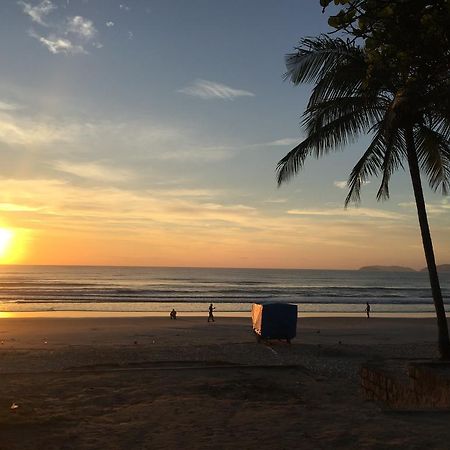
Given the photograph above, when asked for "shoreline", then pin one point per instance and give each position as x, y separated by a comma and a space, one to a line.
77, 314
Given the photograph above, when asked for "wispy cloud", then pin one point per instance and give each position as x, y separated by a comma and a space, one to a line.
193, 193
209, 90
14, 207
8, 106
28, 132
284, 141
66, 35
340, 184
124, 7
344, 184
217, 153
276, 200
432, 208
55, 44
147, 140
38, 12
351, 212
159, 219
64, 201
93, 171
81, 27
110, 24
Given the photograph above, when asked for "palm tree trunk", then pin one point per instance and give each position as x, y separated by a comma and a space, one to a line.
444, 342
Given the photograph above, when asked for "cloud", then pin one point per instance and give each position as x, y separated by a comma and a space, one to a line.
93, 171
432, 208
340, 184
81, 27
276, 200
284, 141
157, 223
130, 35
106, 207
7, 106
193, 193
39, 12
145, 140
124, 7
55, 45
109, 24
351, 212
14, 207
195, 153
66, 35
24, 131
209, 90
344, 185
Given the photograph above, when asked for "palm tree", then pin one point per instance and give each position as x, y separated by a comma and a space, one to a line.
408, 121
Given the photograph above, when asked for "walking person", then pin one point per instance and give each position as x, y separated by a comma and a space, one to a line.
368, 310
211, 315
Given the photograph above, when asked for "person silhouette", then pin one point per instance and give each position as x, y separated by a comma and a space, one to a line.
211, 315
173, 315
368, 310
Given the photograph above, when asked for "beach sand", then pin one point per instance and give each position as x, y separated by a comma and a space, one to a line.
151, 383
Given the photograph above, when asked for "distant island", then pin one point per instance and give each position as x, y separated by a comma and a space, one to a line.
443, 268
386, 269
440, 268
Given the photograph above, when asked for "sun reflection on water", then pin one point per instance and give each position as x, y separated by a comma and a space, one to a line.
6, 315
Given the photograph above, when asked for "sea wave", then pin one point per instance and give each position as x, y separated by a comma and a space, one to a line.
112, 286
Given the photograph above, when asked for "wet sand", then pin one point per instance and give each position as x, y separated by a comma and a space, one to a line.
138, 383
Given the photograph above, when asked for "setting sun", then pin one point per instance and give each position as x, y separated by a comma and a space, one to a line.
6, 240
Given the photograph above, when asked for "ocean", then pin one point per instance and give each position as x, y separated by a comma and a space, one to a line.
158, 289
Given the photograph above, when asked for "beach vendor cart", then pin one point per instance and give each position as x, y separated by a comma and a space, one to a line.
273, 320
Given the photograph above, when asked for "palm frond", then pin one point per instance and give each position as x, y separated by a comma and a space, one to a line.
383, 155
293, 161
433, 152
394, 153
438, 122
324, 137
342, 106
317, 56
344, 81
369, 165
370, 112
330, 138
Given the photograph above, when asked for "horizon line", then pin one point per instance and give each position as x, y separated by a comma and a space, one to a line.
221, 267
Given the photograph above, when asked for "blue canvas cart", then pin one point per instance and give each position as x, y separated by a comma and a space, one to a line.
274, 320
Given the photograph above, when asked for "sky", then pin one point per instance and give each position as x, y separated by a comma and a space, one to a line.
147, 133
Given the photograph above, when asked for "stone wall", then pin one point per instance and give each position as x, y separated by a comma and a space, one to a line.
431, 381
407, 385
